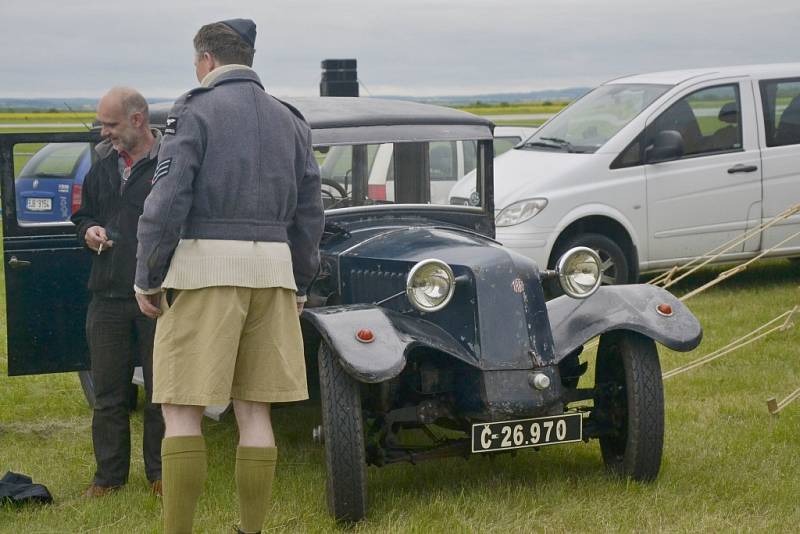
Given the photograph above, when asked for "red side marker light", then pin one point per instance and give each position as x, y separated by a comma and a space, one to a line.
664, 309
365, 335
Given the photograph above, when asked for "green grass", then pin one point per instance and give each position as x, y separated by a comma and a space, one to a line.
523, 122
728, 465
515, 109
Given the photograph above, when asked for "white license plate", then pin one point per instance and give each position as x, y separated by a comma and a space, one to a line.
536, 432
39, 204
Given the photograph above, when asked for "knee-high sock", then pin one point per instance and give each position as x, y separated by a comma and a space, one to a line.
183, 465
255, 469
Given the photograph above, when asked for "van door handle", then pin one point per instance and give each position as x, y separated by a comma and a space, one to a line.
742, 168
18, 264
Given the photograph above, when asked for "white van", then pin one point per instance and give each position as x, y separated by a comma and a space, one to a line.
655, 169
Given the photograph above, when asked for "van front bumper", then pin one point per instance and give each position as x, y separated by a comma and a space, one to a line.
530, 244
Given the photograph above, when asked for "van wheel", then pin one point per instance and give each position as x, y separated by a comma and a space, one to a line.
613, 261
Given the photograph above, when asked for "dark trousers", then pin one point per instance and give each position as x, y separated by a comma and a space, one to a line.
118, 335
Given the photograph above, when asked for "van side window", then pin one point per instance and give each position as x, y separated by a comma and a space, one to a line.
708, 121
781, 102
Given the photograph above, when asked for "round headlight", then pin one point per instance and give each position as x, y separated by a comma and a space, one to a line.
430, 285
579, 272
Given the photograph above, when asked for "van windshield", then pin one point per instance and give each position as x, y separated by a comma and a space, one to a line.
587, 124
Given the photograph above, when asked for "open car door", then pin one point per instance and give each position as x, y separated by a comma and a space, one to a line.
46, 269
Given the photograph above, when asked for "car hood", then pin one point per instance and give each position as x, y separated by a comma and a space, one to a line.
413, 244
521, 174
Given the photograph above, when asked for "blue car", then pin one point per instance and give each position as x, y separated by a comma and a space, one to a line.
49, 186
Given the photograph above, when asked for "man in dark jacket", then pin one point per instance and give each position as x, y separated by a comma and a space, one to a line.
231, 233
118, 333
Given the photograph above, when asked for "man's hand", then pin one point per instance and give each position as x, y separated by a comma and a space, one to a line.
300, 307
97, 239
149, 304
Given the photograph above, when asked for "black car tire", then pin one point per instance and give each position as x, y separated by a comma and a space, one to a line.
343, 434
630, 398
616, 270
87, 384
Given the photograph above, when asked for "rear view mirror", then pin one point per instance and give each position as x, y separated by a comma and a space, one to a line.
667, 146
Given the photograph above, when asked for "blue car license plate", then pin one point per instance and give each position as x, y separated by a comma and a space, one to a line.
522, 433
39, 204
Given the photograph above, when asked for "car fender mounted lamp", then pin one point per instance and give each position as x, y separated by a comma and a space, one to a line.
664, 309
365, 335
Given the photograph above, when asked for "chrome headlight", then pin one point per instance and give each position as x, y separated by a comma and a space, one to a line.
519, 212
430, 285
579, 272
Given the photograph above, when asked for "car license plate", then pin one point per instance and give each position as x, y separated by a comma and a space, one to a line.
39, 204
523, 433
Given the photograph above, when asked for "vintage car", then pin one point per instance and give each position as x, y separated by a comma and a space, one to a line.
430, 338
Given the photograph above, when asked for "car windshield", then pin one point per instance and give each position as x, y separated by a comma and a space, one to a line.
396, 173
55, 160
590, 122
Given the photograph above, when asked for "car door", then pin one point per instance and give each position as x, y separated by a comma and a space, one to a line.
45, 269
780, 155
712, 193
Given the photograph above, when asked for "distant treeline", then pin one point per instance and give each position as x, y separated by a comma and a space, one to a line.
546, 97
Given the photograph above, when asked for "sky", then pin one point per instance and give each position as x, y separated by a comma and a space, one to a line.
81, 48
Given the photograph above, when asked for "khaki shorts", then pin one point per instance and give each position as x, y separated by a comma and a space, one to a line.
220, 343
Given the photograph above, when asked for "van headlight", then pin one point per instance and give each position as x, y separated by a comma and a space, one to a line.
519, 212
430, 285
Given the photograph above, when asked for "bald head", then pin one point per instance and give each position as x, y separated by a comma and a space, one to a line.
124, 118
129, 100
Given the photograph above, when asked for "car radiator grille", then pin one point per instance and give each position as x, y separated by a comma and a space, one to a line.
370, 285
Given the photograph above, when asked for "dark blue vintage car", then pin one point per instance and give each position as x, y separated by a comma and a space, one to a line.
419, 323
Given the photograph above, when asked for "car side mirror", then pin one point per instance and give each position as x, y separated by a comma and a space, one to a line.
667, 146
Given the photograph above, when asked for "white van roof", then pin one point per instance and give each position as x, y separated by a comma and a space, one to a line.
675, 77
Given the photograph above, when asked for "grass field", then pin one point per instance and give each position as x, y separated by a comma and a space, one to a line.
728, 465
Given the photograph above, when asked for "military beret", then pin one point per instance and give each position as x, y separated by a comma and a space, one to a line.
246, 29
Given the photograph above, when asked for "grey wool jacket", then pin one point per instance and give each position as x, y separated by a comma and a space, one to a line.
235, 164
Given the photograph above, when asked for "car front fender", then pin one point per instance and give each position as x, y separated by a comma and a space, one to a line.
394, 335
623, 307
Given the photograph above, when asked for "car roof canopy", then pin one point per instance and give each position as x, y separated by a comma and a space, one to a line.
345, 120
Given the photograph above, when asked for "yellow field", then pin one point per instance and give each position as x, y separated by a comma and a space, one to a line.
61, 116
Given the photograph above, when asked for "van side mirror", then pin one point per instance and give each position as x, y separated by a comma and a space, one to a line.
667, 146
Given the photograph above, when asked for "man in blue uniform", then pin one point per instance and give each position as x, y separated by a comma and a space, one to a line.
228, 243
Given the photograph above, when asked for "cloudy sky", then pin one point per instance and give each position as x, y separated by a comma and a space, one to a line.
404, 47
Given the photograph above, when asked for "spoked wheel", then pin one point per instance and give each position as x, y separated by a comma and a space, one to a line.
343, 433
630, 400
